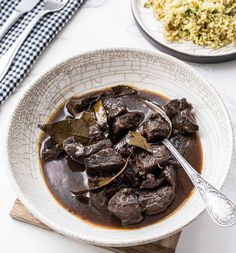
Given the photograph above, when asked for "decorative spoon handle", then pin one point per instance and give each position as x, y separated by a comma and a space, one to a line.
221, 209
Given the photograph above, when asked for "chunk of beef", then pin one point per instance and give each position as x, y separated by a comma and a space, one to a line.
123, 123
124, 205
78, 152
161, 154
129, 178
105, 161
184, 122
99, 198
155, 128
123, 90
80, 104
151, 182
156, 201
144, 163
51, 150
180, 112
177, 105
124, 148
114, 107
169, 175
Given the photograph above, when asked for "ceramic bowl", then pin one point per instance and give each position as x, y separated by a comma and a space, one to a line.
95, 70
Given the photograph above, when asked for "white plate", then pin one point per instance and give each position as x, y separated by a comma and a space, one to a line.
184, 50
95, 70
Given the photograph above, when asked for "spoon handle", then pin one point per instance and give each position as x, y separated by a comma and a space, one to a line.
221, 209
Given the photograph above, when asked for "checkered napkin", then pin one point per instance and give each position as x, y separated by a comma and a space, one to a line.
42, 34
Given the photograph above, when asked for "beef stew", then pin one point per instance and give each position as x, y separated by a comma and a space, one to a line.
89, 141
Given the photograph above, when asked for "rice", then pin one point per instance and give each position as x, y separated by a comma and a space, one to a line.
206, 23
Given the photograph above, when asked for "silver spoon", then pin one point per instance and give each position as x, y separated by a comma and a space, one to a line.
7, 59
221, 209
23, 7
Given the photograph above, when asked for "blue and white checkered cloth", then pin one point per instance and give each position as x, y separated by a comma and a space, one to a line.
39, 38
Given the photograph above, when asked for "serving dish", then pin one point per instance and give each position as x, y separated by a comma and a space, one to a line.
152, 30
148, 70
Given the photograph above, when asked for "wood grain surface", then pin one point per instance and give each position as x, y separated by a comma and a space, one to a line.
167, 245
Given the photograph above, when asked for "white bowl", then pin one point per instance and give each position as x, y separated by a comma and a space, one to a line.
150, 70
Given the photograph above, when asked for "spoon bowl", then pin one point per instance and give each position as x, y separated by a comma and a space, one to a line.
54, 5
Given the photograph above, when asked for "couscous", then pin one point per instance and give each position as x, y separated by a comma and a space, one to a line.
204, 22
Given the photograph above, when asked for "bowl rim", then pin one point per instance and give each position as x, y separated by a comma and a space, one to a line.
109, 243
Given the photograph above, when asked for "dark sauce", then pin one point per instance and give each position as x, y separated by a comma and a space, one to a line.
64, 175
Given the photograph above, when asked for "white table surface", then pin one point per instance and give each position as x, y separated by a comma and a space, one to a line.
99, 24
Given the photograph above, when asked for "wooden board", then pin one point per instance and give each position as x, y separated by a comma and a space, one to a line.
167, 245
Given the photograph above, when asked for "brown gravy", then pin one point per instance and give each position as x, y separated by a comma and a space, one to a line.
64, 175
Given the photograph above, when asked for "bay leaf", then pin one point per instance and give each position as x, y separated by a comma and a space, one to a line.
100, 113
136, 139
88, 117
101, 116
100, 183
78, 127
